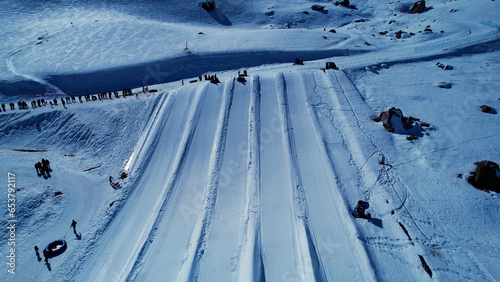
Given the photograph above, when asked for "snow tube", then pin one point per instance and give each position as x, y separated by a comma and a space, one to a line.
55, 248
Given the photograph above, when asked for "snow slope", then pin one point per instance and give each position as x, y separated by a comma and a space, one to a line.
250, 181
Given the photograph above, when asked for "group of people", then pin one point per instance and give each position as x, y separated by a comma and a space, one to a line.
212, 78
45, 253
67, 100
43, 167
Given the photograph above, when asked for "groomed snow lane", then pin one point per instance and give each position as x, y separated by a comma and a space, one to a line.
163, 260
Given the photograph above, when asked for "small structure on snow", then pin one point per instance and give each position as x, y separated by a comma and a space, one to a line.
241, 78
298, 62
486, 176
331, 66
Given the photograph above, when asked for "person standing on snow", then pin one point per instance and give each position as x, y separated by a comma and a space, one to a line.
73, 224
47, 164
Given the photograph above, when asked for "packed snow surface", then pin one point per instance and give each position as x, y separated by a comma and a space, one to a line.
249, 179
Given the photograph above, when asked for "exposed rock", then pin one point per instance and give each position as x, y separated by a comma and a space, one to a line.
486, 176
208, 5
344, 3
393, 120
316, 7
486, 109
418, 7
445, 85
411, 138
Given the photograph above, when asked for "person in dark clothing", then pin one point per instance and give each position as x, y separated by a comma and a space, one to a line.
111, 180
3, 107
45, 166
37, 167
63, 103
46, 256
37, 254
73, 224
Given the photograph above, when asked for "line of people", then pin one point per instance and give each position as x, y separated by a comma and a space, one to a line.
212, 78
43, 167
22, 105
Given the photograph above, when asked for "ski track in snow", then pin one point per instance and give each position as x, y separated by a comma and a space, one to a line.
255, 181
271, 156
186, 196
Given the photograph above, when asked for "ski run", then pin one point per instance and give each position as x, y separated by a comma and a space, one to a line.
227, 161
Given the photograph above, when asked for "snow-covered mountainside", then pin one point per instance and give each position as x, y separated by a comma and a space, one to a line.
255, 177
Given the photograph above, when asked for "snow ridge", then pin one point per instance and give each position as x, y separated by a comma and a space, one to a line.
194, 114
195, 251
309, 261
250, 265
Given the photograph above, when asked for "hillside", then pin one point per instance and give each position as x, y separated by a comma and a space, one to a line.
250, 180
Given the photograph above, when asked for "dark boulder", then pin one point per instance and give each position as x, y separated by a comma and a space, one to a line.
344, 3
316, 7
418, 7
208, 5
394, 121
486, 109
486, 176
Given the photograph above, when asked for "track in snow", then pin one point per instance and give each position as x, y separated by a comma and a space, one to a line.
240, 186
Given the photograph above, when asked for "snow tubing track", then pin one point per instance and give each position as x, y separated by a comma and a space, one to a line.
248, 190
